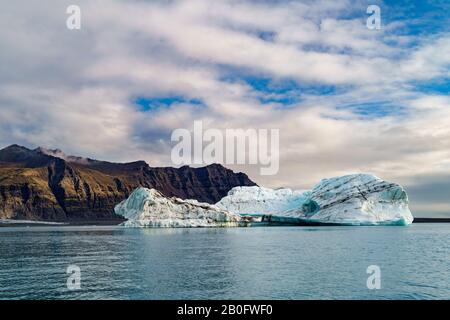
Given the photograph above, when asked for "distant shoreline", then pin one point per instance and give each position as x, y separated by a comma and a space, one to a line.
431, 220
33, 223
30, 223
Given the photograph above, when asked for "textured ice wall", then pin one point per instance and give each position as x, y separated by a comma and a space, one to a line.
360, 199
260, 200
149, 208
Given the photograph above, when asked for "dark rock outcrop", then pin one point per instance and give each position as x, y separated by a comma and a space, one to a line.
37, 185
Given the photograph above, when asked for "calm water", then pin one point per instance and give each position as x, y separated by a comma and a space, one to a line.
246, 263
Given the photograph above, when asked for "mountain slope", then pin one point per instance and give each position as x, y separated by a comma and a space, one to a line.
37, 185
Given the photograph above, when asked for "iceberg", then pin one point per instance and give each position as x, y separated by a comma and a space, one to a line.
359, 199
150, 208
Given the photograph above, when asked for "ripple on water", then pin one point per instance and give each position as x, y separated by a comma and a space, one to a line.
244, 263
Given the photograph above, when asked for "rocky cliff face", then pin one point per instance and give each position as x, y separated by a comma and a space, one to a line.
38, 185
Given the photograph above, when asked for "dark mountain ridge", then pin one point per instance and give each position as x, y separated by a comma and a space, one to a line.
47, 185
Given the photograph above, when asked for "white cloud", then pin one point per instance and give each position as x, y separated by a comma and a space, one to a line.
75, 89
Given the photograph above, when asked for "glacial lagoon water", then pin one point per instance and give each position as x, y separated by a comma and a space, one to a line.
235, 263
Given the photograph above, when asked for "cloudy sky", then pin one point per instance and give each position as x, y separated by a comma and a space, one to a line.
345, 98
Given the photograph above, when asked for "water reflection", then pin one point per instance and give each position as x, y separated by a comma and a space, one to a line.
235, 263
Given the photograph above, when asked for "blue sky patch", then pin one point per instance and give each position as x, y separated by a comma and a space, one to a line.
439, 86
376, 109
283, 91
423, 17
156, 103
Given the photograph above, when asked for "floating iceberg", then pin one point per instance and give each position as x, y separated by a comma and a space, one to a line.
149, 208
360, 199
